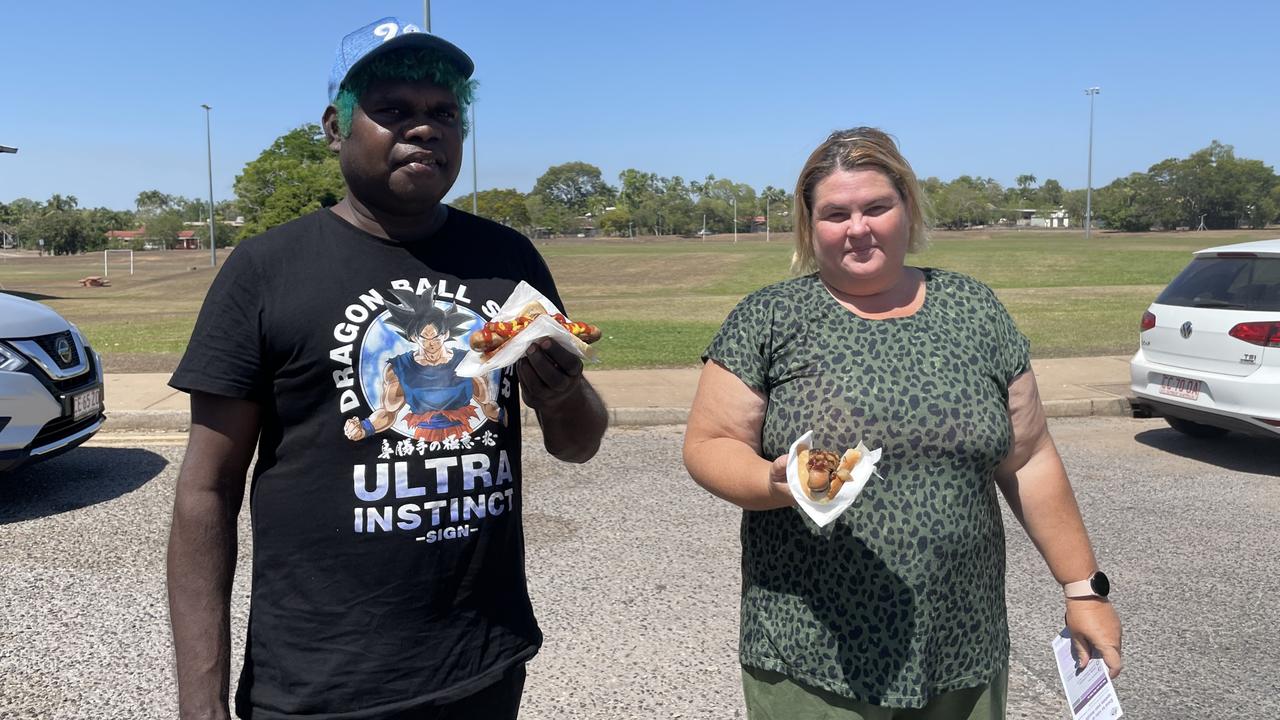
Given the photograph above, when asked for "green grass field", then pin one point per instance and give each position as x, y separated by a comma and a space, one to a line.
659, 301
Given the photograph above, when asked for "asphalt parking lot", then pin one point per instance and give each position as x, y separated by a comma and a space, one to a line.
634, 574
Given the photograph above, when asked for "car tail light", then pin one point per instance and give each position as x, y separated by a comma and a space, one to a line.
1148, 321
1272, 423
1266, 334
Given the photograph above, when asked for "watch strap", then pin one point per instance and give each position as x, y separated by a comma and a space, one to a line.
1079, 588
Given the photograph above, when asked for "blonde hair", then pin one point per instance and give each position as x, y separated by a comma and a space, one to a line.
860, 148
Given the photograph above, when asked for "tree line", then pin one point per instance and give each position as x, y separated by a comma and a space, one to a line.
66, 228
1212, 188
1212, 185
574, 198
298, 174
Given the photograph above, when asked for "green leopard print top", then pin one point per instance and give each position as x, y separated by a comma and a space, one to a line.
902, 597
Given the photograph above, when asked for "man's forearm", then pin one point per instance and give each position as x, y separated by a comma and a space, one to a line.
572, 428
201, 564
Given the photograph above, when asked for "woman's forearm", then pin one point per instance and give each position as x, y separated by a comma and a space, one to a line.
1040, 496
731, 470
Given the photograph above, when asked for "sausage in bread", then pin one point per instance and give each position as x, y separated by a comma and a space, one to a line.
824, 473
493, 335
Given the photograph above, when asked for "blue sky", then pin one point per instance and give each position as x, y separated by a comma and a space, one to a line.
103, 99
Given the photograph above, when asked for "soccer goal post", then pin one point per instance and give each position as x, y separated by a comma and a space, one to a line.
107, 253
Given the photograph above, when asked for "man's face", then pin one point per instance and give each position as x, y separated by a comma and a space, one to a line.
431, 340
405, 146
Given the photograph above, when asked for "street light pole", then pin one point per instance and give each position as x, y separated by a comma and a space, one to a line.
766, 218
208, 139
1088, 193
735, 219
475, 167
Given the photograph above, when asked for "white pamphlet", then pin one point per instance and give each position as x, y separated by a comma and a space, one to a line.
1090, 694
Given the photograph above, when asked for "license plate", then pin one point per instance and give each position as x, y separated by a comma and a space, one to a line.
1180, 387
86, 404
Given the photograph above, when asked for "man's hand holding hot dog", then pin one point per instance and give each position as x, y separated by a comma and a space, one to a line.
572, 416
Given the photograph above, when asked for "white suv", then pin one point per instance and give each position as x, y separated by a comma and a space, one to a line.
1209, 359
50, 384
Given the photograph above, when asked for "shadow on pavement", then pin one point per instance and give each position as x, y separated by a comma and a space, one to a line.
83, 477
1233, 451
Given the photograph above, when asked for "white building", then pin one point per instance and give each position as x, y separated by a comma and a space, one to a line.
1030, 217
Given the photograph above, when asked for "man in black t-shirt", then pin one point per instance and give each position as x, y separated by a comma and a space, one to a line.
388, 550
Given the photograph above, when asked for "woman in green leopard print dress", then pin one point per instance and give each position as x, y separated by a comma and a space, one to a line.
897, 608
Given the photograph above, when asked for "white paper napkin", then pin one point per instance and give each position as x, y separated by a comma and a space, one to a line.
474, 364
823, 513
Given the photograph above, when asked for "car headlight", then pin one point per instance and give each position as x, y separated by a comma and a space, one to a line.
10, 359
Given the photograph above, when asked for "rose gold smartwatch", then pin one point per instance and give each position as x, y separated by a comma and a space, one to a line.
1096, 585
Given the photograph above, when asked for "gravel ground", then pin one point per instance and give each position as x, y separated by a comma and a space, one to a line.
634, 574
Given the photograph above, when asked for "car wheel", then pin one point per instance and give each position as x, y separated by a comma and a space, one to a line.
1195, 429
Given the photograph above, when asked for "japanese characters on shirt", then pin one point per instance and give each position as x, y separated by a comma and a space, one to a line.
437, 467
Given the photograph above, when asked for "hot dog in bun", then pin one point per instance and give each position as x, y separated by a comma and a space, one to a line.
493, 335
823, 473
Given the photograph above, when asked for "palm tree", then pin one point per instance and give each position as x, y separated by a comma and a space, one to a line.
61, 203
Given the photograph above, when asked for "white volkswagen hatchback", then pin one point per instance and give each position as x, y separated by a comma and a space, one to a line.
50, 384
1209, 359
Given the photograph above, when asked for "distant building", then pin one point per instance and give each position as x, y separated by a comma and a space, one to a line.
1030, 217
238, 222
185, 239
124, 237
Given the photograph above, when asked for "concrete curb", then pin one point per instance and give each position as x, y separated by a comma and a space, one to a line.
1088, 407
147, 421
127, 421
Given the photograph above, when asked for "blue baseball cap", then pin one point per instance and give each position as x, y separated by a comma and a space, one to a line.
383, 36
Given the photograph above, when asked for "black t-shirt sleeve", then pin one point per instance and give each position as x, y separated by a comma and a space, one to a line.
539, 276
225, 355
508, 252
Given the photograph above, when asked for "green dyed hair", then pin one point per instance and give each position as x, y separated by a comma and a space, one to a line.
404, 65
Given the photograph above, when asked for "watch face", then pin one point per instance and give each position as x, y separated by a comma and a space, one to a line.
1100, 584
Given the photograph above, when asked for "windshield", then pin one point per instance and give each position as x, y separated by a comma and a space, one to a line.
1232, 283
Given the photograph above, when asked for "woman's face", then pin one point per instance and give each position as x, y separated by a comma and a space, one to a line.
861, 229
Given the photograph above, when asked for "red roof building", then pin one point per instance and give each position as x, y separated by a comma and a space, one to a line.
186, 239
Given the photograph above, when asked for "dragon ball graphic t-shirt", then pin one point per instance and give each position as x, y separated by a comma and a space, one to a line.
388, 551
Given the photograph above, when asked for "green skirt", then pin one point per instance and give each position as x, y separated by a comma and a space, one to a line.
774, 696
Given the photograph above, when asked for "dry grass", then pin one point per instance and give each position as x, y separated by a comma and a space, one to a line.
141, 322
